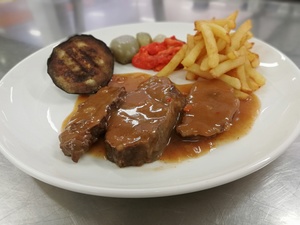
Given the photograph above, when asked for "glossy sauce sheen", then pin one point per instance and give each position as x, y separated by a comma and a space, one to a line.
179, 149
138, 132
211, 105
89, 121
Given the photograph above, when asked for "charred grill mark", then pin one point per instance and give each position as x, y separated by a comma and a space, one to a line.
89, 58
66, 61
82, 60
78, 63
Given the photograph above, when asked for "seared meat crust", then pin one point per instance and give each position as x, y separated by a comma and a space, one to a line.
90, 121
211, 106
81, 65
138, 132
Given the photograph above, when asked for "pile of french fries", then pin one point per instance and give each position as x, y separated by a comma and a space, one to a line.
217, 51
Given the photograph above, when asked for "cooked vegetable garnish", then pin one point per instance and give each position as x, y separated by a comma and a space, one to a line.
156, 55
124, 48
143, 38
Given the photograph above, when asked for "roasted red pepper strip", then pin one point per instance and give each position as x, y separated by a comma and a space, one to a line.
156, 55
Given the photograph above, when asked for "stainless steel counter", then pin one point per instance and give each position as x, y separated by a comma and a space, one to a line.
268, 196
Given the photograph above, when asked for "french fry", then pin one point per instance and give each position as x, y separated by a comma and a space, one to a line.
204, 63
196, 70
221, 44
174, 62
220, 32
256, 76
198, 37
210, 44
253, 58
241, 75
226, 66
190, 76
215, 51
255, 62
240, 94
246, 37
232, 17
232, 81
239, 34
193, 54
228, 22
248, 44
253, 85
190, 41
233, 55
223, 58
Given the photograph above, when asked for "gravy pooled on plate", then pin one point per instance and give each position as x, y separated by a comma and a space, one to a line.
179, 149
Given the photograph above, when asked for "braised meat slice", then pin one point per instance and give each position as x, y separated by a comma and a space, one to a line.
140, 129
211, 105
90, 121
81, 65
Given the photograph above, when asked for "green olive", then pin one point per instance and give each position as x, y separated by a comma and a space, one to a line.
143, 38
159, 38
124, 48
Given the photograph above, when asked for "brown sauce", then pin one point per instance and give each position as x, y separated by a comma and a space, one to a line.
179, 149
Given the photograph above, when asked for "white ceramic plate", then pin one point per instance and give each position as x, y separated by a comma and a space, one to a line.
32, 110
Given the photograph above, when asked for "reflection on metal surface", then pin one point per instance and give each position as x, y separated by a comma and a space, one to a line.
35, 32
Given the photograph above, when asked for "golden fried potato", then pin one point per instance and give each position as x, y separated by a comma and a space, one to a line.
216, 51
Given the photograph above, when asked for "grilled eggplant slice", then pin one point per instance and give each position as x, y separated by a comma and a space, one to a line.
81, 65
